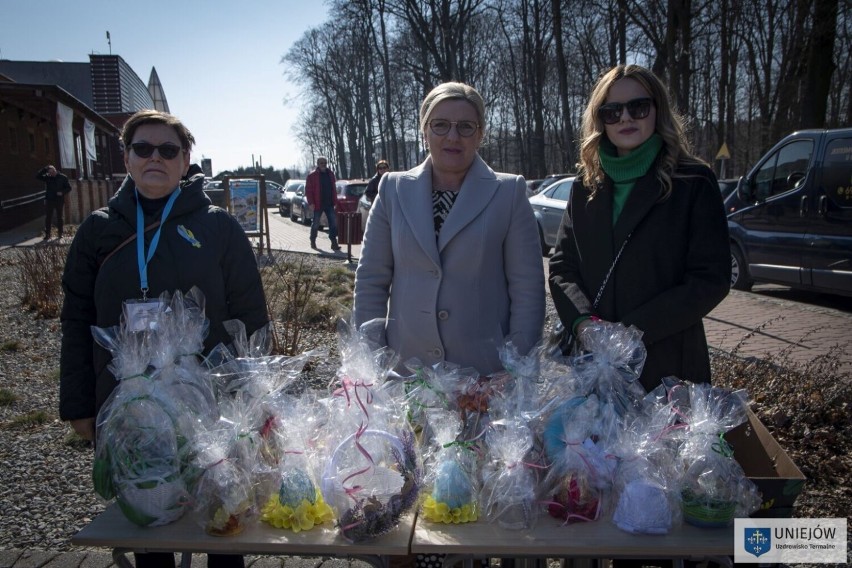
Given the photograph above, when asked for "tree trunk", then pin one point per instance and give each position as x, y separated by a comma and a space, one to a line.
820, 64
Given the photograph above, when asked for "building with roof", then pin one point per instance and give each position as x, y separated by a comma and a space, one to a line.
69, 115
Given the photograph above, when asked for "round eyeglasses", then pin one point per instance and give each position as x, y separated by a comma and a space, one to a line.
442, 126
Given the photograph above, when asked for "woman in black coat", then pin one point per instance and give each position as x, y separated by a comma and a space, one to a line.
646, 208
119, 256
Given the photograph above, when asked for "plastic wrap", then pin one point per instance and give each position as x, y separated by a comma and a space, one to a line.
440, 387
371, 479
611, 366
714, 488
510, 474
138, 459
143, 457
578, 438
223, 497
646, 483
452, 483
297, 503
372, 473
508, 487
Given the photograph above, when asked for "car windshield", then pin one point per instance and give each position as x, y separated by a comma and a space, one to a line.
356, 189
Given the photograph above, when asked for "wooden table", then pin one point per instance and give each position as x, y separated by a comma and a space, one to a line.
551, 539
548, 539
112, 530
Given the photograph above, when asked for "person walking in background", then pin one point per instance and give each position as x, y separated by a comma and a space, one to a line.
382, 168
195, 244
56, 187
451, 254
321, 193
644, 240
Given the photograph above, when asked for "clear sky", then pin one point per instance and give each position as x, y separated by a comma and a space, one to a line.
219, 62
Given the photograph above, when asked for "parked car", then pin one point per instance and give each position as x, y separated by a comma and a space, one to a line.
796, 226
273, 192
728, 188
533, 186
549, 207
300, 211
364, 205
551, 179
216, 192
349, 192
286, 195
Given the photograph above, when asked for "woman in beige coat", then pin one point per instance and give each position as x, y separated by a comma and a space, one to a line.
451, 253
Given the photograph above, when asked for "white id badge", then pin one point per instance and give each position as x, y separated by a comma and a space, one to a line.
143, 315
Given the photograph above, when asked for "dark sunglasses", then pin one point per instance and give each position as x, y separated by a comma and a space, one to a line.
465, 128
610, 113
167, 151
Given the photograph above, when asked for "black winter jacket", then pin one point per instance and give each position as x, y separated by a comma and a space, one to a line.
217, 258
674, 270
54, 185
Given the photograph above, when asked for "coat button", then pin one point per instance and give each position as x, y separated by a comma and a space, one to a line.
437, 353
436, 273
443, 314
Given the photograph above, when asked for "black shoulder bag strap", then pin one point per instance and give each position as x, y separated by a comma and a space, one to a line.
567, 339
129, 240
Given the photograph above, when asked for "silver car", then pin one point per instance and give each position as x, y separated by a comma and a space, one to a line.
549, 207
291, 186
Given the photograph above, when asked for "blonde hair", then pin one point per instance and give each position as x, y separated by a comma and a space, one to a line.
446, 91
669, 125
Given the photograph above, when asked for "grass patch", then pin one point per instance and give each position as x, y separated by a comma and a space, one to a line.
34, 418
7, 397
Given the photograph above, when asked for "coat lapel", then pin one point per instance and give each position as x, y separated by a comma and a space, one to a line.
479, 186
415, 201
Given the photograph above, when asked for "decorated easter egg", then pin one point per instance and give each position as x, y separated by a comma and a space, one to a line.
295, 486
452, 485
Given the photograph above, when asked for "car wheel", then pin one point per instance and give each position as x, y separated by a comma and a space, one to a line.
545, 248
305, 220
281, 210
293, 214
739, 272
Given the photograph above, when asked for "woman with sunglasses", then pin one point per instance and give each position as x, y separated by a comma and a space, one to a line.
644, 240
451, 255
159, 233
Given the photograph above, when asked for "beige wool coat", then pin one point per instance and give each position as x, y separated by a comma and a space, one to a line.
456, 297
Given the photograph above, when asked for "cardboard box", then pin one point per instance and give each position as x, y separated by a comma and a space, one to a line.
768, 466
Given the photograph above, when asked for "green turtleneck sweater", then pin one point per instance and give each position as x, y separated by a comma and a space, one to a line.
626, 170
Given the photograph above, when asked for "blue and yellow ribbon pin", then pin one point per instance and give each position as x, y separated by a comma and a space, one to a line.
187, 234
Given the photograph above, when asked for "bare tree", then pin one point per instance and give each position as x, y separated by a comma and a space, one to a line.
820, 64
744, 72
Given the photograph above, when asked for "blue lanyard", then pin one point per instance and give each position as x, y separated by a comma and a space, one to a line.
141, 258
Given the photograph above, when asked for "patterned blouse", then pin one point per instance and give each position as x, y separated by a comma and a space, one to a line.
442, 202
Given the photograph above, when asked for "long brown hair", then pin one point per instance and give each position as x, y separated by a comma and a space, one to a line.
669, 125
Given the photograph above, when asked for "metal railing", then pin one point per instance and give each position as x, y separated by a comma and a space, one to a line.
22, 200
